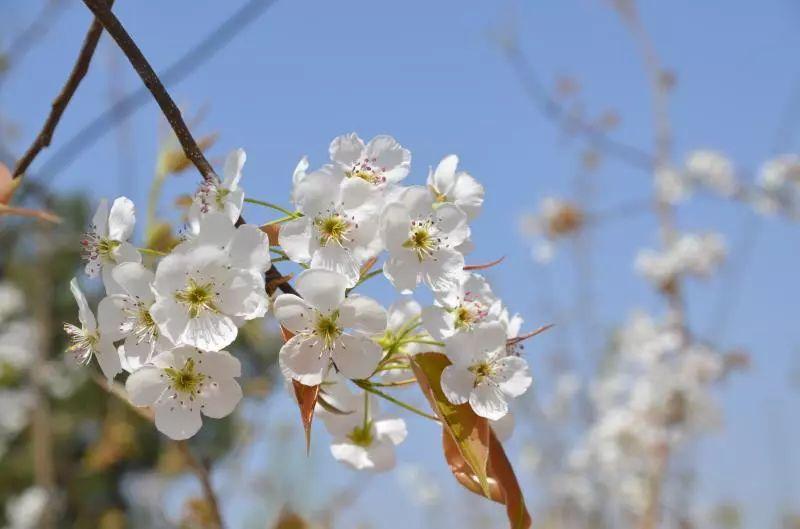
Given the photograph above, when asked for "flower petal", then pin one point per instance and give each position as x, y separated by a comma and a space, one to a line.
121, 219
356, 356
362, 314
488, 401
108, 358
337, 259
402, 271
232, 171
249, 248
210, 331
171, 318
220, 398
323, 289
512, 375
444, 177
351, 454
303, 359
386, 153
346, 149
392, 429
85, 314
146, 385
178, 421
220, 364
457, 383
295, 239
293, 313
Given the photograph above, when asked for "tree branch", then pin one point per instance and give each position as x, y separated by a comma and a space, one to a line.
64, 97
150, 79
114, 27
203, 475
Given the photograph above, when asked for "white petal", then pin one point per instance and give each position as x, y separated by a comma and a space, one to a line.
403, 310
233, 168
317, 192
85, 314
293, 313
457, 382
346, 149
392, 429
111, 316
453, 223
135, 280
136, 353
337, 259
512, 375
146, 385
243, 295
178, 421
220, 398
402, 271
170, 316
395, 226
382, 456
444, 177
503, 427
468, 195
295, 239
322, 289
215, 229
358, 193
300, 171
362, 314
303, 360
100, 219
441, 272
121, 219
385, 153
108, 358
209, 331
488, 401
351, 454
417, 200
356, 356
249, 249
220, 364
438, 322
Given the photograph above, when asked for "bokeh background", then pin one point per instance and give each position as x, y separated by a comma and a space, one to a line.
479, 79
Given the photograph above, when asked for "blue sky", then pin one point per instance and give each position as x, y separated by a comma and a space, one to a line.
429, 74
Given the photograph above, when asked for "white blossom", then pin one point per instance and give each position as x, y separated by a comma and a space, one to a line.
362, 438
183, 383
202, 297
712, 170
224, 195
481, 373
697, 254
470, 303
87, 341
105, 244
328, 327
126, 316
422, 241
25, 510
455, 187
339, 227
381, 162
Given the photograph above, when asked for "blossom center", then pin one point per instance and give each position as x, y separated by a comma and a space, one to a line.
96, 247
366, 170
332, 228
422, 240
83, 343
186, 379
438, 196
482, 371
328, 329
362, 435
197, 297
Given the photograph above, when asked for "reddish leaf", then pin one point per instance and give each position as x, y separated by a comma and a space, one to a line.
306, 398
7, 185
478, 451
272, 231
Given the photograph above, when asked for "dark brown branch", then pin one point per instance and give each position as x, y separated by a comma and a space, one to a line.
149, 77
111, 117
114, 28
64, 97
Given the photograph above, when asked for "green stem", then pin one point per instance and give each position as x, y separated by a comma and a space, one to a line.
280, 220
150, 251
367, 276
273, 206
367, 386
424, 342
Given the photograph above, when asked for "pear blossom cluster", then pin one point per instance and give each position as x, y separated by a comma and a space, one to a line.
698, 254
167, 325
165, 321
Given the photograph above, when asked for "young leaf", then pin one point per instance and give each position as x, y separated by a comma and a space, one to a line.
470, 433
306, 398
464, 454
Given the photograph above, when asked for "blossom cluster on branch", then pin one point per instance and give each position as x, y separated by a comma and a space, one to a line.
168, 325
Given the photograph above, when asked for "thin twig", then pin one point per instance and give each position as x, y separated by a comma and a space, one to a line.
174, 73
62, 100
170, 110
